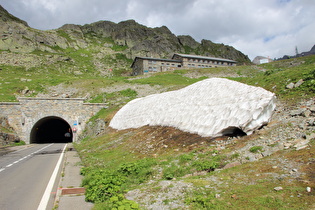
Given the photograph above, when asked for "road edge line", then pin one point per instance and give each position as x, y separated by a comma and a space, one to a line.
44, 201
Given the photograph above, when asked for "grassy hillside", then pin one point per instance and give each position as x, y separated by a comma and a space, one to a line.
178, 169
166, 167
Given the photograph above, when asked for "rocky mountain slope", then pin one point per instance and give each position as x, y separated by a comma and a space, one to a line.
170, 169
104, 44
310, 52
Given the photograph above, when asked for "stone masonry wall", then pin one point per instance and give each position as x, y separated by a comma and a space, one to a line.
23, 116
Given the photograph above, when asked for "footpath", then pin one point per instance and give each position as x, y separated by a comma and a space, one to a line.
70, 195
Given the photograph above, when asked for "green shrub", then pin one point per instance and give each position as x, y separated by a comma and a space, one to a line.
172, 171
118, 202
186, 157
256, 149
205, 165
311, 85
108, 185
235, 155
201, 202
137, 172
129, 93
102, 184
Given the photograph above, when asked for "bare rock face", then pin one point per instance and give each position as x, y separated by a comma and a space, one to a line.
133, 38
188, 41
5, 137
212, 107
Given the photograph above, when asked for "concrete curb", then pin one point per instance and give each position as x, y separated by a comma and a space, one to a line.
70, 194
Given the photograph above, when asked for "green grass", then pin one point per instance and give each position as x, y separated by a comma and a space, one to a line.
62, 33
110, 156
256, 149
167, 79
16, 79
20, 143
280, 73
111, 151
241, 188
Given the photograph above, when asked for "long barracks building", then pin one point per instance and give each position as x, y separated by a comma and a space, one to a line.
143, 65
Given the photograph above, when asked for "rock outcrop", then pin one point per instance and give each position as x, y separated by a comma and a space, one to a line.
7, 134
212, 107
311, 52
128, 37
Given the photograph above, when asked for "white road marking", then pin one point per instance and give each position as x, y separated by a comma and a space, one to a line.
44, 201
15, 162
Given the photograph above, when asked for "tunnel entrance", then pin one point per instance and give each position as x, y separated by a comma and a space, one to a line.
233, 132
51, 130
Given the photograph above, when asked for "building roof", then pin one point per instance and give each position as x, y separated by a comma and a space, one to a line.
155, 59
204, 57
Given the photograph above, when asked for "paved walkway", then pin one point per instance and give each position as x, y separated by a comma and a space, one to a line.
70, 194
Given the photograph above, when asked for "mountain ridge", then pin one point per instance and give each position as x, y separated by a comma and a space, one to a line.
128, 37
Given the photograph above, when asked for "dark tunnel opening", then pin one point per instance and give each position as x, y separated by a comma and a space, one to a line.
233, 132
51, 130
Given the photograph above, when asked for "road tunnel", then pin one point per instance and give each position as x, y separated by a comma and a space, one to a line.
51, 130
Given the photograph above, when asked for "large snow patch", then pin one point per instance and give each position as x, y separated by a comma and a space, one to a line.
210, 108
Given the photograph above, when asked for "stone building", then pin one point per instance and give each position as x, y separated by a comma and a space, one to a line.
261, 59
144, 65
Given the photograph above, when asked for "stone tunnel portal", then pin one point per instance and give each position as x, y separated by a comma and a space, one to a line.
51, 130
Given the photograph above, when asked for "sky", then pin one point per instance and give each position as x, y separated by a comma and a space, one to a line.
270, 28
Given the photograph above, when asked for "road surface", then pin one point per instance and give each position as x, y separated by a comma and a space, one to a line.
25, 174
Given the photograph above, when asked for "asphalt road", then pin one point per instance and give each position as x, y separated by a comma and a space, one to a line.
25, 174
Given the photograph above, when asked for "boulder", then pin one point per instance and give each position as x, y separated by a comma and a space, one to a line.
290, 86
299, 83
212, 107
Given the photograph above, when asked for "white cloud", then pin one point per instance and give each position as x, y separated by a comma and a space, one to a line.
269, 28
